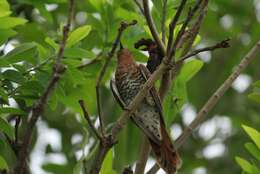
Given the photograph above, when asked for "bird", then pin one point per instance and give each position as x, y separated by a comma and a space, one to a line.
155, 53
129, 79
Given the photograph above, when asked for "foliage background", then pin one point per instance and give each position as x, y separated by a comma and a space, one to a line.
29, 33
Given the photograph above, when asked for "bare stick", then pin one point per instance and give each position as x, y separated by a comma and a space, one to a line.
173, 25
93, 61
139, 6
86, 116
152, 27
164, 14
222, 44
144, 153
122, 27
213, 100
218, 94
38, 108
191, 13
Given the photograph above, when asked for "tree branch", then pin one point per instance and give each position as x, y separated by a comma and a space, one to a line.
191, 13
122, 27
152, 26
144, 153
173, 24
38, 108
164, 14
86, 116
222, 44
139, 6
213, 100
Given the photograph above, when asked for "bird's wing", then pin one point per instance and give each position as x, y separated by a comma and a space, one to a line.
146, 73
116, 93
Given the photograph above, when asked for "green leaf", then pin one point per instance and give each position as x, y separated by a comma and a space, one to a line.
77, 169
254, 151
253, 134
189, 69
244, 164
4, 8
3, 164
107, 164
52, 43
6, 128
23, 52
257, 84
78, 53
14, 76
78, 34
5, 34
10, 110
255, 96
10, 22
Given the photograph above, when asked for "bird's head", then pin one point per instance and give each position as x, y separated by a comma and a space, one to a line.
124, 56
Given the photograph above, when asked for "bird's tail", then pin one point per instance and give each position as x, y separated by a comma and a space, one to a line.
167, 156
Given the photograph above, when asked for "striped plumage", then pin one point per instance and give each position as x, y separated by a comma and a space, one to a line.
129, 79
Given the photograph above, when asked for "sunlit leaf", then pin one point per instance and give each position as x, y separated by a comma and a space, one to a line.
107, 164
3, 164
78, 53
78, 34
9, 22
6, 128
10, 110
244, 164
189, 69
253, 150
253, 134
255, 96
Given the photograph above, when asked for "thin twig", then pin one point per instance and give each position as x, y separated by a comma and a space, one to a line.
93, 61
139, 6
152, 27
143, 157
122, 27
39, 65
38, 108
208, 106
172, 25
16, 128
191, 13
164, 14
86, 116
222, 44
218, 94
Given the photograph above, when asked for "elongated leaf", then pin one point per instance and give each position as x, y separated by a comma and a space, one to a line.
107, 164
6, 128
244, 164
3, 164
78, 34
253, 134
253, 150
10, 110
78, 53
23, 52
255, 96
189, 69
14, 76
9, 22
257, 84
5, 34
52, 43
4, 8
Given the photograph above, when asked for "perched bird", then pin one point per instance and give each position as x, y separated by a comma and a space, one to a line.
129, 78
155, 54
